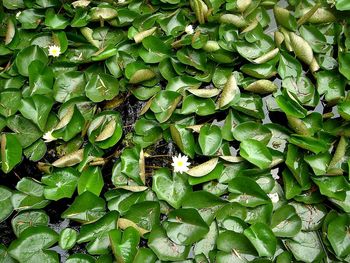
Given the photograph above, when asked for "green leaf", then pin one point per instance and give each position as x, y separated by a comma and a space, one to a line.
26, 56
183, 138
247, 192
338, 235
26, 132
285, 222
97, 233
229, 241
262, 238
60, 184
311, 215
67, 238
172, 189
164, 248
185, 226
11, 152
69, 85
306, 246
27, 219
86, 208
210, 139
6, 207
33, 244
55, 21
289, 66
124, 245
144, 214
36, 108
91, 180
145, 255
342, 5
256, 153
10, 102
333, 186
36, 151
131, 166
102, 87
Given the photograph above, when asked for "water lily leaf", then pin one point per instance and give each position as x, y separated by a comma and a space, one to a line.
332, 84
145, 255
252, 130
6, 207
172, 189
334, 187
91, 180
185, 226
306, 246
262, 86
80, 258
208, 243
198, 105
86, 208
21, 201
102, 87
164, 248
55, 21
69, 85
70, 159
260, 71
10, 102
309, 143
285, 18
97, 233
230, 92
125, 223
183, 138
210, 139
164, 104
205, 203
28, 219
342, 5
290, 106
105, 129
33, 245
247, 192
285, 222
131, 165
194, 58
262, 238
124, 245
30, 187
144, 214
337, 235
67, 238
36, 151
204, 93
138, 72
60, 184
36, 109
5, 257
288, 66
104, 12
26, 56
11, 152
204, 168
311, 215
301, 48
256, 152
229, 241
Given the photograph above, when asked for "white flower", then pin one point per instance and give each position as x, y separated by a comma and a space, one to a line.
48, 137
189, 29
274, 197
54, 51
18, 14
180, 163
121, 1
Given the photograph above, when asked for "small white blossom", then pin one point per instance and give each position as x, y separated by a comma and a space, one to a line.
48, 137
59, 184
121, 1
54, 51
274, 197
189, 29
18, 14
180, 163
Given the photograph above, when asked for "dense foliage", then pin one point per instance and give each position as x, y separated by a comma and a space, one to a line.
96, 97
